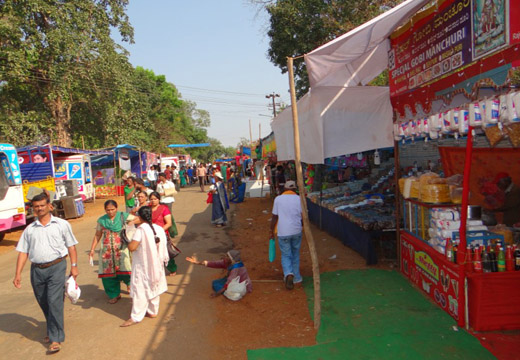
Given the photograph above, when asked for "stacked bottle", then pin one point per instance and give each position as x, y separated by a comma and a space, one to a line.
490, 259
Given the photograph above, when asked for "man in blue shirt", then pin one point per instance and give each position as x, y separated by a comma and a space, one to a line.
46, 243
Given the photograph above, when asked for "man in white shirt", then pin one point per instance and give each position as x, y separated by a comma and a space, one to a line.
46, 243
152, 177
287, 214
166, 188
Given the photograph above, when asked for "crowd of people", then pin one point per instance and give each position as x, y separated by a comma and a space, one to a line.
133, 245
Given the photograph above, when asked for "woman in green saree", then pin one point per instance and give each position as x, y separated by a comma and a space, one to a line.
114, 257
182, 176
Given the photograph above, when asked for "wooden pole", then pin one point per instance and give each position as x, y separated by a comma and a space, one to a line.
83, 142
305, 215
397, 175
250, 135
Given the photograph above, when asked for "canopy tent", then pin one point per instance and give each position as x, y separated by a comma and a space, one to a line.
66, 150
336, 121
337, 116
189, 145
360, 55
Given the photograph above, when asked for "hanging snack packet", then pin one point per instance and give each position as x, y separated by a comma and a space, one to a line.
491, 127
463, 121
475, 117
445, 122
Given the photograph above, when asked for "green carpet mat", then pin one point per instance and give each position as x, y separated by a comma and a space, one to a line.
377, 314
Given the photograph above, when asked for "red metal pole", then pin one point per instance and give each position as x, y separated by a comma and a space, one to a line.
461, 256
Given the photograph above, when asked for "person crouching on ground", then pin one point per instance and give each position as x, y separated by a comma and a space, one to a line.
287, 214
235, 267
148, 280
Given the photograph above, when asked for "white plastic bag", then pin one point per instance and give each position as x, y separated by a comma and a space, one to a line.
72, 290
236, 289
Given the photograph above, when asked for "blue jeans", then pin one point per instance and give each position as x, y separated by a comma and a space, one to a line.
290, 249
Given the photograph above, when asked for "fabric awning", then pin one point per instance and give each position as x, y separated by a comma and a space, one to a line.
188, 145
360, 55
338, 116
336, 121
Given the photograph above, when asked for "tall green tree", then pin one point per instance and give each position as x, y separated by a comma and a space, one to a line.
54, 48
297, 27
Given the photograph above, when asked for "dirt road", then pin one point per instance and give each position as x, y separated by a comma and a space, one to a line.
187, 314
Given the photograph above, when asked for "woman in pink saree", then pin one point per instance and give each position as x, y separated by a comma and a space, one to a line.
149, 255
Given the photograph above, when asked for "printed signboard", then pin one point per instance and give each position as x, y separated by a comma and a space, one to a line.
427, 269
452, 46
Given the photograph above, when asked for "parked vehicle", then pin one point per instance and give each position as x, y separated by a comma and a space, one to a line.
12, 209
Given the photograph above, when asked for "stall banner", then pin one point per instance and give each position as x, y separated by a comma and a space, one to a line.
104, 176
60, 171
74, 171
87, 173
124, 159
429, 271
450, 47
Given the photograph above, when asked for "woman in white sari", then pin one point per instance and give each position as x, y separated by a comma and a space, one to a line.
149, 256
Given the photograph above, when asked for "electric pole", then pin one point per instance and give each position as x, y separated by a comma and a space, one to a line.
273, 96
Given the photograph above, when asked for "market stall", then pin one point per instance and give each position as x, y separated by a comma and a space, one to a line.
356, 202
461, 91
69, 167
450, 73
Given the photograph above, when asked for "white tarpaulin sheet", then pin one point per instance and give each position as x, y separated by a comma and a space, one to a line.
336, 121
337, 116
360, 55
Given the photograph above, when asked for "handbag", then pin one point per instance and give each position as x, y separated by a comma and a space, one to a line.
209, 200
122, 233
170, 191
272, 250
172, 230
173, 250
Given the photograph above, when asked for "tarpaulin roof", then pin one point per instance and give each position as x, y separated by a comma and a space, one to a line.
67, 150
125, 146
337, 116
360, 55
246, 150
336, 121
189, 145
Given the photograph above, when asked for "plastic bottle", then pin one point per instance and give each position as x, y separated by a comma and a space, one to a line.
449, 250
468, 264
510, 263
455, 252
501, 260
517, 259
486, 262
477, 262
493, 259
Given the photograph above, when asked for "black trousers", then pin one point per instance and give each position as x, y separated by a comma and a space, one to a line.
49, 289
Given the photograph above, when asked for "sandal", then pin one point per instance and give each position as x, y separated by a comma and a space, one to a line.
114, 300
46, 340
150, 316
128, 323
54, 347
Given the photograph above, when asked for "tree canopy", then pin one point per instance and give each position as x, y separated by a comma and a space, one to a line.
299, 26
63, 79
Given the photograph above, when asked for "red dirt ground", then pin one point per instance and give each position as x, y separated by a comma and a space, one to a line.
272, 316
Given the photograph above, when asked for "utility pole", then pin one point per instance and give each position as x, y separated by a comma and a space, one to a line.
273, 96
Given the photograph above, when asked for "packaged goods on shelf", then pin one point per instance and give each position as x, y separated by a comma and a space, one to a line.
435, 193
